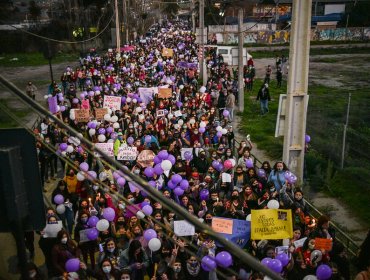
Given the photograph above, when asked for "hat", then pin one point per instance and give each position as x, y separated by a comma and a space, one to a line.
119, 134
195, 175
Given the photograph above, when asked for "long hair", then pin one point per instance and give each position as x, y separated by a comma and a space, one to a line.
134, 245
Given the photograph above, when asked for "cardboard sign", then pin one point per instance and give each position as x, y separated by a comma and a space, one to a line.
106, 148
222, 225
240, 230
83, 236
160, 113
85, 104
53, 104
323, 244
100, 112
127, 153
167, 52
300, 242
183, 228
164, 93
112, 102
82, 115
271, 224
146, 158
51, 230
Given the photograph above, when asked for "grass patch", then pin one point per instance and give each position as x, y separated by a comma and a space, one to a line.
33, 59
6, 121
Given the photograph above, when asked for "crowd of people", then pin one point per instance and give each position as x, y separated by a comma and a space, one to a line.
167, 116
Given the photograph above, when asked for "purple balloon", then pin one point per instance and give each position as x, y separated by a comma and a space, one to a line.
219, 134
188, 155
261, 173
287, 174
61, 98
109, 130
101, 130
171, 185
150, 234
109, 214
224, 259
63, 146
84, 166
292, 179
116, 175
92, 233
225, 113
148, 139
156, 160
121, 181
130, 140
307, 138
147, 210
172, 159
58, 199
178, 191
208, 263
266, 262
72, 265
149, 172
152, 184
179, 104
82, 95
184, 184
249, 163
323, 272
93, 125
158, 169
163, 155
215, 164
93, 220
62, 108
75, 101
204, 194
144, 203
123, 100
91, 93
202, 129
91, 175
176, 178
113, 135
219, 166
276, 265
284, 258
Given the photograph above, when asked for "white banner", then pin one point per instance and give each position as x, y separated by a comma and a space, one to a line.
183, 228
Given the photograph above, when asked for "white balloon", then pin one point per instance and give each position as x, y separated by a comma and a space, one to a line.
224, 131
170, 116
192, 121
266, 278
219, 128
273, 204
181, 86
116, 125
310, 277
139, 109
80, 176
102, 225
102, 176
58, 108
154, 244
61, 209
166, 165
202, 89
249, 217
128, 99
141, 117
69, 149
63, 154
176, 126
92, 131
72, 115
180, 122
134, 100
114, 119
202, 124
46, 96
140, 215
107, 117
109, 111
233, 162
101, 138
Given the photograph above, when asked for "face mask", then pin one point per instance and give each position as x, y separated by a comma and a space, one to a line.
131, 200
84, 220
107, 269
311, 246
32, 274
234, 197
229, 154
208, 221
64, 240
194, 264
137, 171
122, 206
272, 189
111, 250
177, 269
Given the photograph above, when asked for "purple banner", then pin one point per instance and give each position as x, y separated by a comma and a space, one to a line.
184, 64
53, 104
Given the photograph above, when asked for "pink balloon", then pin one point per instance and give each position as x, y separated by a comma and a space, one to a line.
228, 164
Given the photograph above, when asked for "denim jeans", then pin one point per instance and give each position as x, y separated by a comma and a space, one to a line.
264, 106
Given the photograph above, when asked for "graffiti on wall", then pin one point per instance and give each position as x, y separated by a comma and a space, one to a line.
283, 36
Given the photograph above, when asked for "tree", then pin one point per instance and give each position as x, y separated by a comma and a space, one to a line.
358, 15
171, 8
34, 10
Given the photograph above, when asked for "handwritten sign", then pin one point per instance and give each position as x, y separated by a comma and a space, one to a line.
51, 230
100, 112
164, 93
183, 228
240, 230
222, 225
167, 52
160, 113
85, 104
300, 242
127, 153
82, 115
323, 244
146, 158
112, 102
53, 104
106, 148
271, 224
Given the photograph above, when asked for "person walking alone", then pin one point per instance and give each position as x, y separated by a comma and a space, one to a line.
230, 105
264, 97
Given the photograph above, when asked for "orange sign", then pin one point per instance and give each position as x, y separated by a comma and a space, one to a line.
167, 52
100, 112
82, 115
222, 225
164, 93
146, 158
323, 244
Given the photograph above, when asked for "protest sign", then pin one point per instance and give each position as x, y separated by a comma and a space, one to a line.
146, 94
53, 104
183, 228
82, 115
100, 112
323, 244
85, 104
299, 243
177, 113
146, 158
167, 52
112, 102
83, 236
127, 153
226, 178
106, 148
184, 150
160, 113
271, 224
51, 230
164, 93
237, 231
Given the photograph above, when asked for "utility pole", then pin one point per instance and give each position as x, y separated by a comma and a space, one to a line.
297, 98
192, 7
201, 40
240, 60
345, 131
125, 23
118, 37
